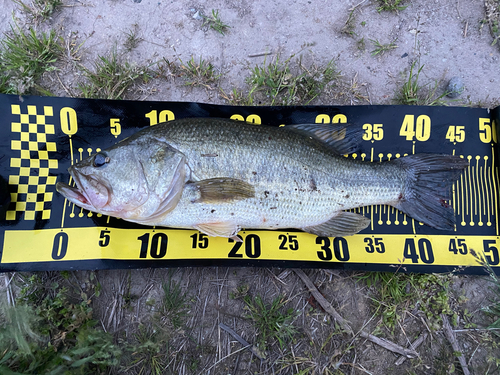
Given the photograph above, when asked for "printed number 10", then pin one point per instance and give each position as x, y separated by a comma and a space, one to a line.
164, 116
158, 247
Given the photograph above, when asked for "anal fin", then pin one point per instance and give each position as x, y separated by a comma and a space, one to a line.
342, 224
219, 229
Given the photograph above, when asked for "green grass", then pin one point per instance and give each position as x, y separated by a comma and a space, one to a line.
361, 44
350, 24
174, 306
24, 57
150, 350
493, 309
380, 48
492, 10
111, 78
215, 23
147, 352
282, 83
39, 10
132, 40
236, 97
391, 5
397, 293
273, 322
323, 357
413, 93
240, 292
49, 332
201, 73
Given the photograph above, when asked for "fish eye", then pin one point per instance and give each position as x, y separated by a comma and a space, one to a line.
100, 159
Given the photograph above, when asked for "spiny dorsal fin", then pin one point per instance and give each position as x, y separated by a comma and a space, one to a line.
223, 189
340, 138
342, 224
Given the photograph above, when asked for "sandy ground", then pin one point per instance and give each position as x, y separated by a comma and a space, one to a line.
445, 36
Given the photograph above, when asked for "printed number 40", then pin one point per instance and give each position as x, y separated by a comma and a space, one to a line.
419, 129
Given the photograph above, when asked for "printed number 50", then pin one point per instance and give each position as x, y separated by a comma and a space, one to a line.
487, 131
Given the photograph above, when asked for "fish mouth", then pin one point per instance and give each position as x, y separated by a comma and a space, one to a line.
89, 193
73, 194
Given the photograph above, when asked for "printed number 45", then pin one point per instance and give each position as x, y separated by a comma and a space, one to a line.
456, 133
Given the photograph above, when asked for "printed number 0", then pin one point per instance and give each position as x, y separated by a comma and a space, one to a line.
60, 245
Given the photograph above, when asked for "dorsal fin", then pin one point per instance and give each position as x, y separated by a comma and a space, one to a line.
340, 138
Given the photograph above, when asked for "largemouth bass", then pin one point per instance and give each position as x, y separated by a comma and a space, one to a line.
218, 176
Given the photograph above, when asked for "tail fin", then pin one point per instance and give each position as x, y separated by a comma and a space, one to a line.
428, 188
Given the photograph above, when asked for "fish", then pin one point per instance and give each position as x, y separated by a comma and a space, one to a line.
218, 176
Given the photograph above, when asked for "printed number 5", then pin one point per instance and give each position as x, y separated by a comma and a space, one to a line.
104, 241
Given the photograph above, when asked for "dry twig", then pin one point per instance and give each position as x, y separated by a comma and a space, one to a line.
323, 302
450, 335
389, 345
414, 345
243, 342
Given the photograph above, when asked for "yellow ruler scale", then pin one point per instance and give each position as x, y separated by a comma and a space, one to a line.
75, 244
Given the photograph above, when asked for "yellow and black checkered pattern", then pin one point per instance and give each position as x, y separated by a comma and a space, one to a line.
30, 141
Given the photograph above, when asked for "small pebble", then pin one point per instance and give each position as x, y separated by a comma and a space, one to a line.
197, 16
455, 87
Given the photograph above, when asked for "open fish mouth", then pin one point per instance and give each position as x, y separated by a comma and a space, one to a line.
73, 194
88, 193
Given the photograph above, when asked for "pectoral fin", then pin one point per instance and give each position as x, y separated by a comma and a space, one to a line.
342, 224
222, 189
219, 229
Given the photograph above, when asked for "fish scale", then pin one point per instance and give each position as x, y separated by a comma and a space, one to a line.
285, 163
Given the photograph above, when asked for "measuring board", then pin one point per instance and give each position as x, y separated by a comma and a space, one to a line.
42, 136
